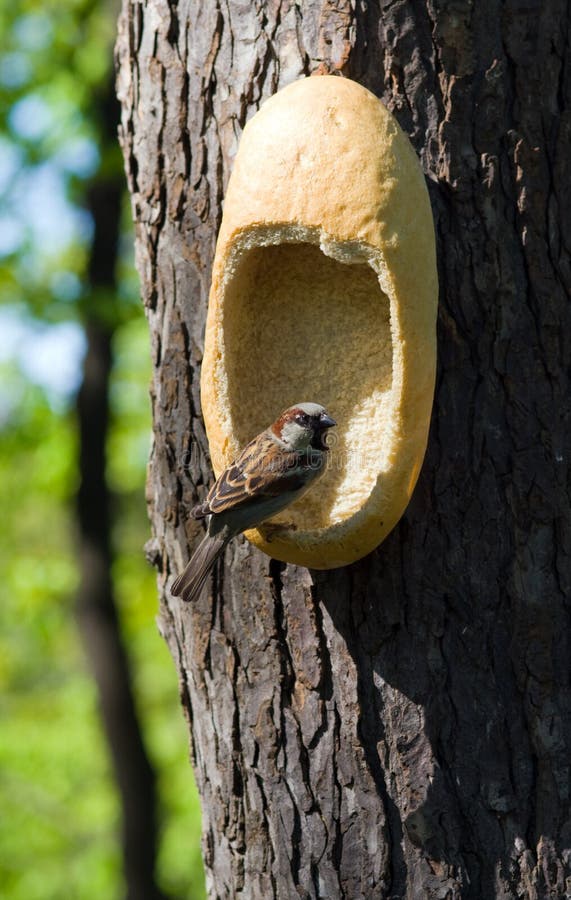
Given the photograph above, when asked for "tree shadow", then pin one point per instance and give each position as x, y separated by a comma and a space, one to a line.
447, 712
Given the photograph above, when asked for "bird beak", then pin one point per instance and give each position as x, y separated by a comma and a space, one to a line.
326, 421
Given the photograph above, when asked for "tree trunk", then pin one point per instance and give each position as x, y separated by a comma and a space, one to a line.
399, 728
95, 607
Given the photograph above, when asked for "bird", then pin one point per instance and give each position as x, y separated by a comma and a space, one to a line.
276, 468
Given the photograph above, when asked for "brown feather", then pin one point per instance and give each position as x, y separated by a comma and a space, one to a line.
287, 416
263, 469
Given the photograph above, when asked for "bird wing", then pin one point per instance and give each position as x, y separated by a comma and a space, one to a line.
263, 469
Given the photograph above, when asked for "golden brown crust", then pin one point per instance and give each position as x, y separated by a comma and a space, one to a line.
326, 193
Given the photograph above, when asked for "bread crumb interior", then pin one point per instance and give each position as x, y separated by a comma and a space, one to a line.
298, 325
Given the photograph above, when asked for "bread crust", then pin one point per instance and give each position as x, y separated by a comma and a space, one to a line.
323, 164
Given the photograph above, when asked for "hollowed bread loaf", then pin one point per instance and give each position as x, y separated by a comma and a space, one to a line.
324, 289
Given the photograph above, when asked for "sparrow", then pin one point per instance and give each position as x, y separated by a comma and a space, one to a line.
274, 469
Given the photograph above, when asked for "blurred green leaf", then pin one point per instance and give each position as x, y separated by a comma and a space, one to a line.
59, 828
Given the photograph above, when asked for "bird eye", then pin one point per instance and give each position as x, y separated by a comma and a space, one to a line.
302, 419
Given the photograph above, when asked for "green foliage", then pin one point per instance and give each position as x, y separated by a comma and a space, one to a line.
55, 78
58, 802
155, 678
59, 827
60, 810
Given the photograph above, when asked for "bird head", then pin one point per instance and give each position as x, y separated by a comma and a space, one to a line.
303, 427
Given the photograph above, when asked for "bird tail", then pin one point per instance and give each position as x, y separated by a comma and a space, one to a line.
190, 583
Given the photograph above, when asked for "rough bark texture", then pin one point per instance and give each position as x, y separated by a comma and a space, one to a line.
400, 728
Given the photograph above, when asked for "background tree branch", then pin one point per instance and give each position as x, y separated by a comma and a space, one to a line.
96, 607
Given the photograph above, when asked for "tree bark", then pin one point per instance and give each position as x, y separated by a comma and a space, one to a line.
399, 728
